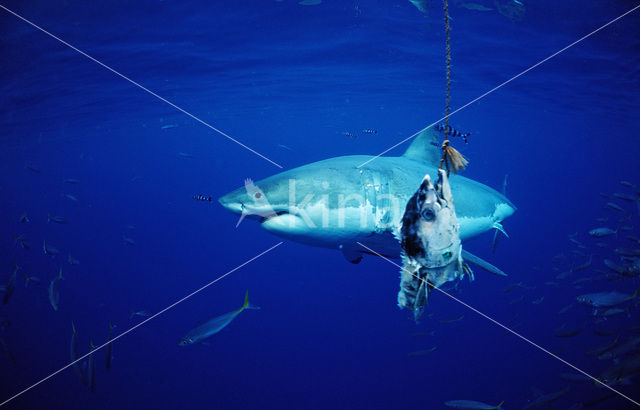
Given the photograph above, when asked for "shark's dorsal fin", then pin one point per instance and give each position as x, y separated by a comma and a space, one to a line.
425, 147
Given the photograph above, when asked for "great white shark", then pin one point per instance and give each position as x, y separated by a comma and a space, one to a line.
337, 202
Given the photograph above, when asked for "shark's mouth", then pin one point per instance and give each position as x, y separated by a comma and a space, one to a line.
274, 215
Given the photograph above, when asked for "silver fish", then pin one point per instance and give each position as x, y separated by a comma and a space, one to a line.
49, 250
109, 349
612, 311
563, 332
54, 293
627, 251
32, 168
430, 240
56, 219
141, 313
597, 351
72, 260
28, 279
614, 267
21, 242
284, 147
8, 351
625, 197
422, 352
606, 299
545, 399
617, 373
621, 350
538, 301
451, 320
214, 325
600, 232
583, 266
613, 206
73, 354
11, 285
565, 309
91, 371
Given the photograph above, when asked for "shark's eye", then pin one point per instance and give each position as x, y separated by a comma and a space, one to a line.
446, 255
428, 214
258, 195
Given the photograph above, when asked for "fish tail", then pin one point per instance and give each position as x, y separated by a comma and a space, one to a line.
248, 305
499, 405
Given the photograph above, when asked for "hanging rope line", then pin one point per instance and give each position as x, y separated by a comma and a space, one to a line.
452, 160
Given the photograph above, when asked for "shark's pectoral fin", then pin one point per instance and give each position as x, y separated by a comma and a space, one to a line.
496, 235
352, 255
469, 257
496, 239
498, 226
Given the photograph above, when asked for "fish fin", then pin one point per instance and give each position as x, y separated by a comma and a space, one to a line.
352, 256
469, 257
494, 243
635, 294
246, 300
241, 218
504, 192
425, 147
498, 226
247, 304
502, 402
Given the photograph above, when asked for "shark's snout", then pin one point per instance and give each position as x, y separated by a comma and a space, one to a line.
231, 202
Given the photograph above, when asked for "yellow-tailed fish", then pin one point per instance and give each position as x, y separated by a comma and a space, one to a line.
213, 326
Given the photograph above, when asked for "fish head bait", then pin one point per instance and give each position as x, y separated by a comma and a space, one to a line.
430, 239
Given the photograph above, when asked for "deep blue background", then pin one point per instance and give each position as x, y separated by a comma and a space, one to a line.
329, 334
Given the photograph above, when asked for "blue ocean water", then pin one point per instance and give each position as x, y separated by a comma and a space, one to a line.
271, 74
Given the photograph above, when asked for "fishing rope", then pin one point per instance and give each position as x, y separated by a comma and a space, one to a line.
451, 158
